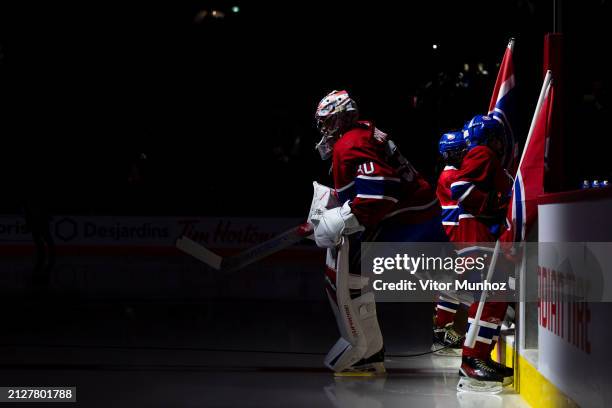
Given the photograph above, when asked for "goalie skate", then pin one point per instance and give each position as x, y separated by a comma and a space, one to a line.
370, 367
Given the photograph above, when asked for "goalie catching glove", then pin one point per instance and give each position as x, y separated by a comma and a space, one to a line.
330, 225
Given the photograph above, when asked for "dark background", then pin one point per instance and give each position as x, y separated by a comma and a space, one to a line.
138, 108
222, 108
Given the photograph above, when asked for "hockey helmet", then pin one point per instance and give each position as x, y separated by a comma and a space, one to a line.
335, 113
451, 142
480, 129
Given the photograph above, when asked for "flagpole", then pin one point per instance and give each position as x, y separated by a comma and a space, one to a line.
470, 338
511, 43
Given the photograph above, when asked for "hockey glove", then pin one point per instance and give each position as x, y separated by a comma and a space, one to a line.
334, 223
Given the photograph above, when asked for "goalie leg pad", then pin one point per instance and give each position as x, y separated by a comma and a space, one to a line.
343, 355
360, 331
357, 320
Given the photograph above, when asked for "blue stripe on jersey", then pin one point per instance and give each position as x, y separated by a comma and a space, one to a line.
385, 187
449, 305
458, 189
485, 332
451, 214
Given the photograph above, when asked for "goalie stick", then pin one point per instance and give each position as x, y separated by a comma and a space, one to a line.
248, 256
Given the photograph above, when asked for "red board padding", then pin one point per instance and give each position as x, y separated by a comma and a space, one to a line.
554, 178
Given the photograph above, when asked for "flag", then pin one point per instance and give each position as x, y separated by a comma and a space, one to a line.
528, 185
529, 181
503, 106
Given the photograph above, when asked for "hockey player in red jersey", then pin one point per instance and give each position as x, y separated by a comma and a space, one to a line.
452, 148
381, 197
481, 189
369, 172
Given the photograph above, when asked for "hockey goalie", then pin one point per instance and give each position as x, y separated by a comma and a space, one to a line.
378, 196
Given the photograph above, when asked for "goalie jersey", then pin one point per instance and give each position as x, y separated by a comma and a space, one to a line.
379, 188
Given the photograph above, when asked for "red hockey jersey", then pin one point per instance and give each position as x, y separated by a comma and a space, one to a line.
364, 173
451, 211
480, 180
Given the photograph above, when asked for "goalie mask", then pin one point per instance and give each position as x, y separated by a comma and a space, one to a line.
335, 114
